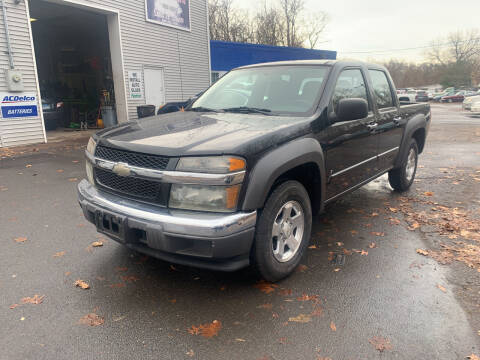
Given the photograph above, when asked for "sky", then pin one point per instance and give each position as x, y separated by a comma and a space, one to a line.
378, 29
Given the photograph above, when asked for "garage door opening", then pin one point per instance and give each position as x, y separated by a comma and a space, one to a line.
74, 65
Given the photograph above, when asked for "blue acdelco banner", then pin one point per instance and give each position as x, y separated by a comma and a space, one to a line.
174, 13
19, 111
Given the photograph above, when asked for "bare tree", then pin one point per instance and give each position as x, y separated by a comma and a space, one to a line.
269, 26
459, 47
292, 10
314, 28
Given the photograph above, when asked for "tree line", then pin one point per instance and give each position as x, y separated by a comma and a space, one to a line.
278, 23
450, 61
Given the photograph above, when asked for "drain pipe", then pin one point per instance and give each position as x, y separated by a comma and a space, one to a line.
7, 35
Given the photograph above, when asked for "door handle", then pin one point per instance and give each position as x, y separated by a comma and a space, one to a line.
372, 126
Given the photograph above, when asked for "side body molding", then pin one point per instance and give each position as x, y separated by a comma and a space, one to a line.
277, 162
417, 122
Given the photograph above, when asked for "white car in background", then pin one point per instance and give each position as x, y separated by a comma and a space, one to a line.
469, 101
408, 96
475, 108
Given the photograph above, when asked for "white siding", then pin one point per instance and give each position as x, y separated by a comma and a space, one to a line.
184, 56
22, 130
149, 44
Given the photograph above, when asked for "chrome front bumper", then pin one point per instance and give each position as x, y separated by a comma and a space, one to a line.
185, 237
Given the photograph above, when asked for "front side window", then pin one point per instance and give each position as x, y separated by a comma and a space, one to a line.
350, 84
381, 88
273, 89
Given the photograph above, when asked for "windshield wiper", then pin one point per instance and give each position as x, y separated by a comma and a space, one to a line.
247, 110
203, 109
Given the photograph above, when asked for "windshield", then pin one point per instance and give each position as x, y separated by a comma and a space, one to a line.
267, 90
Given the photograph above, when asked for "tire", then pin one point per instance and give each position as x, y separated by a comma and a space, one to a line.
272, 257
402, 178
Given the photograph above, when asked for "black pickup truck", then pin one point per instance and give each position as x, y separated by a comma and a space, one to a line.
236, 178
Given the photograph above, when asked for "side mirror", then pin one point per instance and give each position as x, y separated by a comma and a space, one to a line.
352, 109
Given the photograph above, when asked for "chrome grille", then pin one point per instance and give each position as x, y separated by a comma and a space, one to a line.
132, 158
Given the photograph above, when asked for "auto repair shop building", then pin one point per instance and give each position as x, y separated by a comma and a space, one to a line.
68, 60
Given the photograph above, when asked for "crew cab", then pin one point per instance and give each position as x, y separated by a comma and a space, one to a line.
236, 178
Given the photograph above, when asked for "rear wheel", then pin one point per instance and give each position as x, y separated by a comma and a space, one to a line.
283, 231
402, 178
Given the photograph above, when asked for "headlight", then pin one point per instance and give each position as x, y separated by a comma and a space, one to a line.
91, 146
89, 169
212, 165
204, 198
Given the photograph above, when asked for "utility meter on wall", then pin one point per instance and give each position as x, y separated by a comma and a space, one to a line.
14, 80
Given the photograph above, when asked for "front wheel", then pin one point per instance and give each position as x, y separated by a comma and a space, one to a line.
402, 178
283, 231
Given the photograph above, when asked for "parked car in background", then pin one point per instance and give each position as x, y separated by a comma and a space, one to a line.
430, 96
475, 108
438, 98
408, 96
421, 96
52, 113
469, 101
457, 97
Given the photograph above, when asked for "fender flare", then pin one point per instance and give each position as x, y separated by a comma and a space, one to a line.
417, 122
277, 162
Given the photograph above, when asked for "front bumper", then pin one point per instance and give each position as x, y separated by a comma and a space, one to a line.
204, 240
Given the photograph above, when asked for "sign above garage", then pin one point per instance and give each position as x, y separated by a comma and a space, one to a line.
173, 13
18, 106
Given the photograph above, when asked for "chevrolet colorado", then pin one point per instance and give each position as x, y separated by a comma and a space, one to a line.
235, 179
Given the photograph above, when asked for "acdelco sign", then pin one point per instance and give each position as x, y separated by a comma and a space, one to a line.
17, 99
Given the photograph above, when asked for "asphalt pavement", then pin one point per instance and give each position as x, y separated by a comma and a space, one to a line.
364, 290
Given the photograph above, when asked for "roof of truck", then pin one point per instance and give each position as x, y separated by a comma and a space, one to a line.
315, 62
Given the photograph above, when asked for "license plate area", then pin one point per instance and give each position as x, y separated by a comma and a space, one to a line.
110, 224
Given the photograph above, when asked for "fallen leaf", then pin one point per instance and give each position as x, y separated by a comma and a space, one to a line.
173, 301
265, 287
377, 233
82, 284
372, 245
97, 244
20, 239
381, 344
414, 226
346, 251
364, 253
317, 311
208, 330
59, 254
394, 210
353, 232
72, 179
240, 340
312, 247
92, 320
36, 299
473, 357
441, 288
428, 193
337, 269
130, 278
374, 214
60, 171
190, 353
422, 252
339, 244
302, 318
306, 297
28, 166
14, 306
333, 326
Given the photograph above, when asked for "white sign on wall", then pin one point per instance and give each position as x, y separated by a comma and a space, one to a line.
14, 105
135, 84
173, 13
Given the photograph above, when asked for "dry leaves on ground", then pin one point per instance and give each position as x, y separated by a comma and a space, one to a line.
422, 252
97, 244
428, 193
441, 288
208, 330
302, 318
130, 278
92, 319
265, 286
59, 254
381, 344
73, 179
20, 239
473, 357
82, 284
35, 300
372, 245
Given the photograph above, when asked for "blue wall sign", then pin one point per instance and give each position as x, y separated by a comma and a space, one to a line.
18, 106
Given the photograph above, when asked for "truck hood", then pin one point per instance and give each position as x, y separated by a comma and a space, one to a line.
191, 133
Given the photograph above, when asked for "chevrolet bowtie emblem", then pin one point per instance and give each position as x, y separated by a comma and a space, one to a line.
122, 169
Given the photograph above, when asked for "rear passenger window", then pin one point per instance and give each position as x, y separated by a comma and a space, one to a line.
381, 88
350, 84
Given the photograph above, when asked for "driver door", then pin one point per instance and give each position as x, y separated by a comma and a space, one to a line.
350, 146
